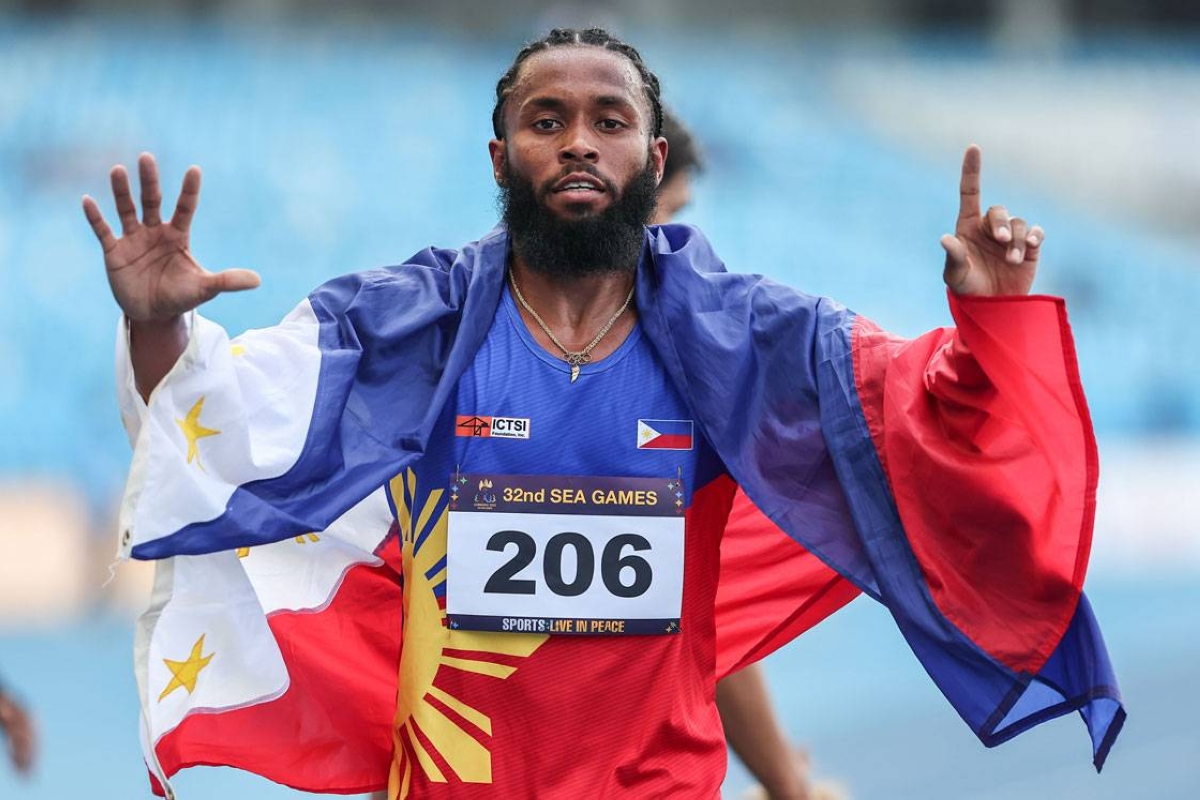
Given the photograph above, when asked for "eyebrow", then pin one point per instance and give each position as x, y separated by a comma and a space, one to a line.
613, 100
550, 103
555, 104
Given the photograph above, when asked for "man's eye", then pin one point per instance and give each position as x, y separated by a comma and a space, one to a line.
611, 124
546, 124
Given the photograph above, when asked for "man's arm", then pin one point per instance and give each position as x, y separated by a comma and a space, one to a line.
151, 271
18, 728
754, 734
154, 347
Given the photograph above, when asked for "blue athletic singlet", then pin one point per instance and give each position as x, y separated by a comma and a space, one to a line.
524, 715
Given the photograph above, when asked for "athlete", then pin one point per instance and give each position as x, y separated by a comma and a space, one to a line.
683, 162
743, 700
558, 417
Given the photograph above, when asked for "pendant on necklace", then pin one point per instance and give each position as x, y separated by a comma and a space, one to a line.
575, 360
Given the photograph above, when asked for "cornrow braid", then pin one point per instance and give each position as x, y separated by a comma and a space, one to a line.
595, 37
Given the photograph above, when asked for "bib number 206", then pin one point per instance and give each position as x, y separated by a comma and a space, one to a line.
624, 573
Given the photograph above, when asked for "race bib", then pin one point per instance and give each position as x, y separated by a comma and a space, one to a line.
565, 554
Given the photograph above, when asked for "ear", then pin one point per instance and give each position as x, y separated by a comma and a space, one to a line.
498, 152
658, 154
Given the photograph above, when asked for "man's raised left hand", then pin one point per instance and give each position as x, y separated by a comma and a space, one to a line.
990, 254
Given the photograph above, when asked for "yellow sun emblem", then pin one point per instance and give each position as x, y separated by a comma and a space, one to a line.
426, 637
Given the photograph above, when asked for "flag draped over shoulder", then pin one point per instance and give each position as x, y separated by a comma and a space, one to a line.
951, 478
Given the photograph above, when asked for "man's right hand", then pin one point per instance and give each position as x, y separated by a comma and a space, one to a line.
150, 268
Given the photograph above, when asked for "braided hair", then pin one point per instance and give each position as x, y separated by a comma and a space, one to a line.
595, 37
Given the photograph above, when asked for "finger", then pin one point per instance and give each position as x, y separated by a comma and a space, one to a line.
957, 265
189, 197
1033, 240
233, 280
996, 223
99, 227
1016, 252
151, 193
968, 187
126, 210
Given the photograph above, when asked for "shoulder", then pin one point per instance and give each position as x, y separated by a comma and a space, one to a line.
683, 243
688, 277
433, 273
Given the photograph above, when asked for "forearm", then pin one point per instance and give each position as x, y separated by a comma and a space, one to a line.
755, 736
154, 347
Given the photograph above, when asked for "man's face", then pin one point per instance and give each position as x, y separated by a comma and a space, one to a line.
577, 127
577, 169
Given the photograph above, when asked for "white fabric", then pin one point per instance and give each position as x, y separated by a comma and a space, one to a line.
207, 596
303, 574
261, 411
226, 598
259, 391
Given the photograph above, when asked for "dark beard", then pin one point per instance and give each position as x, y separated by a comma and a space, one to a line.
611, 241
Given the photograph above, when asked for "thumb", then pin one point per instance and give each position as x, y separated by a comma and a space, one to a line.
958, 266
233, 280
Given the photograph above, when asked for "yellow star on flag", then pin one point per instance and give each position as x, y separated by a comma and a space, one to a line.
242, 552
184, 673
194, 431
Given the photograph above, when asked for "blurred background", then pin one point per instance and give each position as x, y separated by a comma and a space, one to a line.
337, 137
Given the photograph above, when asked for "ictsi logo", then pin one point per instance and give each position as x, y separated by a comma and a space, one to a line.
492, 427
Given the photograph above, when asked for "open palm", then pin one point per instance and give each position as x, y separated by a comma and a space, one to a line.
150, 268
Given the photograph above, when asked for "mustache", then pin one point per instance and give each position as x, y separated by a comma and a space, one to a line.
548, 186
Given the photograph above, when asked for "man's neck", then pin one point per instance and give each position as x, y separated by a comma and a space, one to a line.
575, 309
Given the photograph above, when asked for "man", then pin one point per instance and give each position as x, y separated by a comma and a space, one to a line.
744, 703
546, 450
683, 161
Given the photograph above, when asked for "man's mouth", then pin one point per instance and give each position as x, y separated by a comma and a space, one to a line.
578, 182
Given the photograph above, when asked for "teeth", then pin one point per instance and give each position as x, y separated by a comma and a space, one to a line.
579, 186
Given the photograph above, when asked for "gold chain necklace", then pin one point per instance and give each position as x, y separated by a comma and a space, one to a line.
577, 357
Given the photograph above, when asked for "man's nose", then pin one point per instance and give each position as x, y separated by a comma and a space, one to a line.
579, 146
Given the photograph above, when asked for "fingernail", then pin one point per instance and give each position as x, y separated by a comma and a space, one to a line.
1032, 240
1014, 255
1004, 234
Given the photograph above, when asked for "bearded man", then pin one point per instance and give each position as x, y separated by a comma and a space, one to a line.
504, 473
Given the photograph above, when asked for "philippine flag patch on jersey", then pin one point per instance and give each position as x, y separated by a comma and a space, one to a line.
665, 434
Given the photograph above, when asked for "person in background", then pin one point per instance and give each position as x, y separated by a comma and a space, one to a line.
683, 161
743, 700
17, 726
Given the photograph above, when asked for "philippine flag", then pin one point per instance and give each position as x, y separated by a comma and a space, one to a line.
664, 434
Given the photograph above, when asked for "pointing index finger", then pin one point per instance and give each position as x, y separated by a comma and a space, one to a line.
968, 187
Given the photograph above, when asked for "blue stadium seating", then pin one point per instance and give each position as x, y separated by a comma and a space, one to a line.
327, 151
